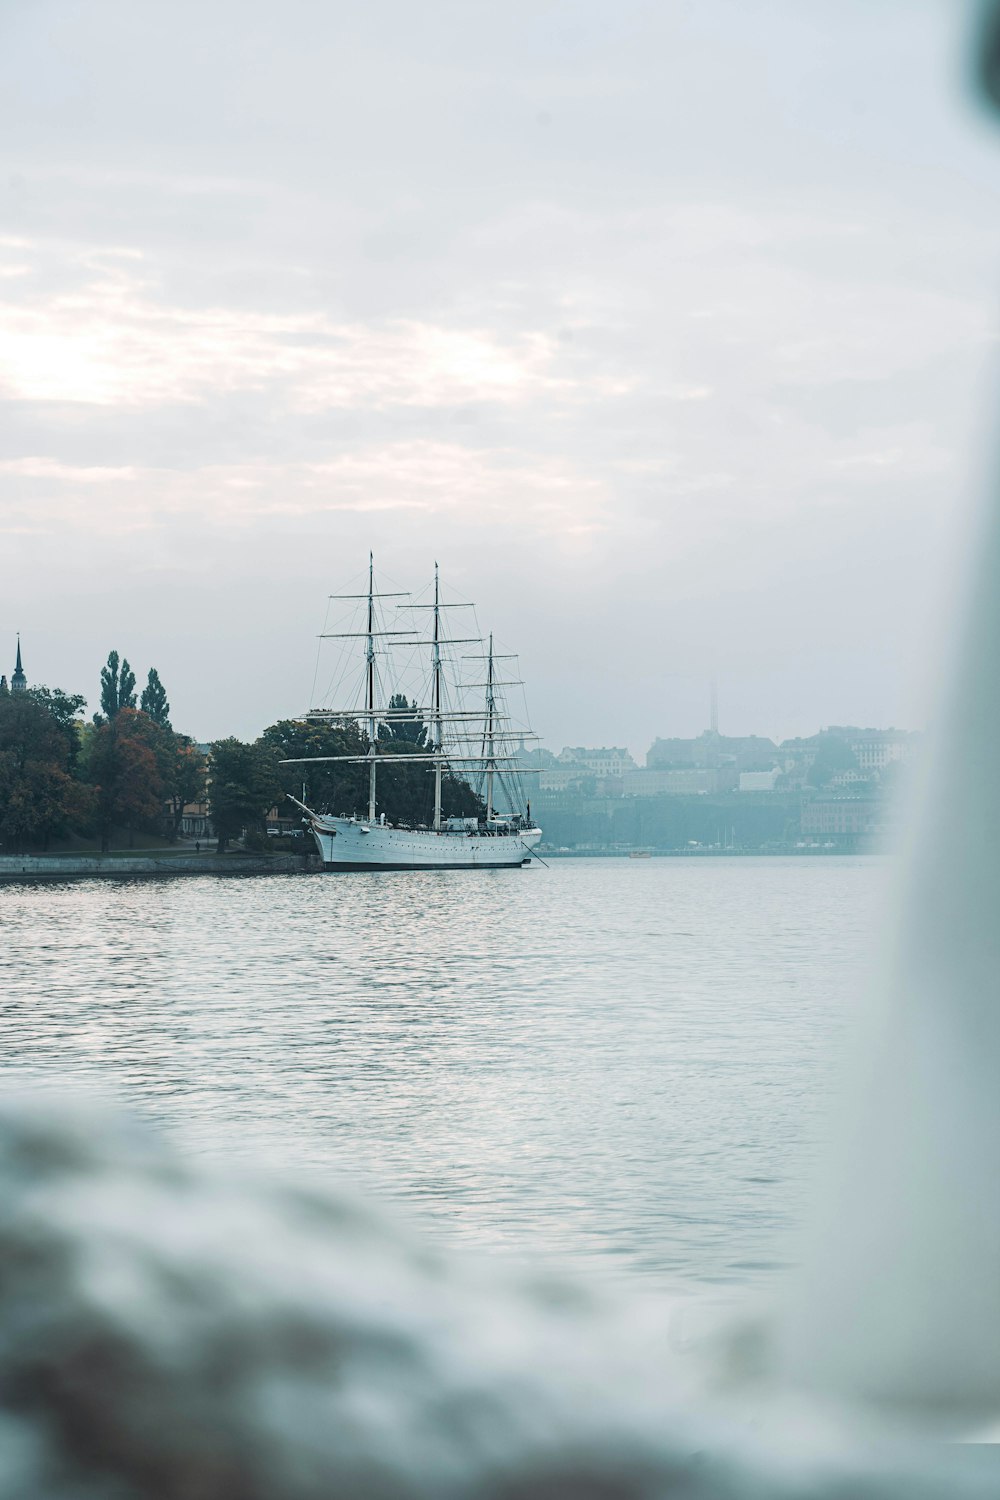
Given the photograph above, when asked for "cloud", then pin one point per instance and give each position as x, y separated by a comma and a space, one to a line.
51, 468
110, 341
665, 315
440, 480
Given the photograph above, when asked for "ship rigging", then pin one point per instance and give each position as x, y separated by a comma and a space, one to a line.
490, 765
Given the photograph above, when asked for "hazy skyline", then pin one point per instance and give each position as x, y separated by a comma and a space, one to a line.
666, 328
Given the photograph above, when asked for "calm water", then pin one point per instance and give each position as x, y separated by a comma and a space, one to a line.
616, 1062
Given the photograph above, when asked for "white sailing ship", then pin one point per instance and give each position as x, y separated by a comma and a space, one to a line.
477, 744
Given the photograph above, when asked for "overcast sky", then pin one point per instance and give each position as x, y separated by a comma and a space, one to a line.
668, 328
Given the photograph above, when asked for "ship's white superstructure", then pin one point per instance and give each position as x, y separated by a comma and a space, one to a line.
474, 744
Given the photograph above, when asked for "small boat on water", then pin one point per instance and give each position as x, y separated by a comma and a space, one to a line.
478, 744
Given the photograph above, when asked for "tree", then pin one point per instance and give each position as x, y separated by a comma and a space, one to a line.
117, 686
832, 755
243, 786
39, 798
404, 786
185, 779
459, 800
330, 786
63, 709
154, 700
409, 731
181, 765
122, 767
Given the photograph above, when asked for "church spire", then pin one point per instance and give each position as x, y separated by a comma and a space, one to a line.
18, 682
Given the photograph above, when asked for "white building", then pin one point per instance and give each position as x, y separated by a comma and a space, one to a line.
613, 761
759, 781
878, 748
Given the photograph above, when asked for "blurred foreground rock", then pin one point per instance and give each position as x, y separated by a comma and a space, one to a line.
168, 1333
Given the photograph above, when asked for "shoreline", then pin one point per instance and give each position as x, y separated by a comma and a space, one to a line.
38, 867
790, 853
60, 867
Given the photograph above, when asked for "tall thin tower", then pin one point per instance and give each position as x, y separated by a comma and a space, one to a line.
18, 682
713, 708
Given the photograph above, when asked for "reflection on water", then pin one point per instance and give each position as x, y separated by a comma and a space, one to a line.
606, 1060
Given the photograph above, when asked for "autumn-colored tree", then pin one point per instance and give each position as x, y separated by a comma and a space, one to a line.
122, 767
39, 797
181, 765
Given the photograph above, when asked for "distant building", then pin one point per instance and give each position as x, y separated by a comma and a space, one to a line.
195, 821
748, 752
613, 761
874, 749
853, 778
760, 781
843, 816
796, 756
559, 778
679, 781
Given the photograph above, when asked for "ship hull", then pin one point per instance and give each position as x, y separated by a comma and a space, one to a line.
347, 844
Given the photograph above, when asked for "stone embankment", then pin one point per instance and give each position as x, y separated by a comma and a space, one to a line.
124, 866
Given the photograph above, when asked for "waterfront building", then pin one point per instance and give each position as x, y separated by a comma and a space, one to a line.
843, 816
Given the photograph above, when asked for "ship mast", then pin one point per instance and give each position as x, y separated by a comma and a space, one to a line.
370, 686
436, 723
490, 734
370, 714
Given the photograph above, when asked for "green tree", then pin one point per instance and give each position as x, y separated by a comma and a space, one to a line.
411, 731
330, 786
243, 786
154, 700
459, 800
404, 785
185, 778
64, 709
39, 798
122, 767
405, 788
117, 686
832, 755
